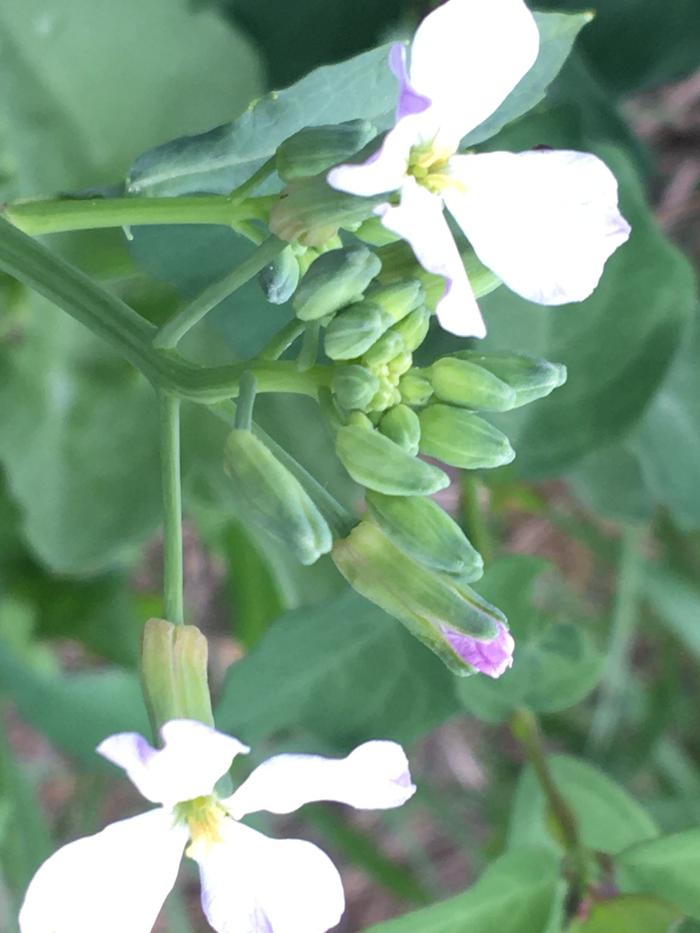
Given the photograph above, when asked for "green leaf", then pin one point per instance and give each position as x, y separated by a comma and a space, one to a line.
609, 819
610, 482
629, 915
373, 678
558, 32
556, 664
668, 867
514, 895
218, 161
676, 601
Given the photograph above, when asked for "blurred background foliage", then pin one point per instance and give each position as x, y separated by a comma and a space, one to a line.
594, 529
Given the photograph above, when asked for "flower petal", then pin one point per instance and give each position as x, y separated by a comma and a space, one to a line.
468, 55
115, 881
544, 221
192, 760
252, 884
375, 776
410, 101
419, 219
386, 169
492, 658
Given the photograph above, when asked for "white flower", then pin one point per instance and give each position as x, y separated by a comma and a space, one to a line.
117, 880
544, 221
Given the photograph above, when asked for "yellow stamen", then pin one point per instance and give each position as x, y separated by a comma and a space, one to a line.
429, 165
204, 817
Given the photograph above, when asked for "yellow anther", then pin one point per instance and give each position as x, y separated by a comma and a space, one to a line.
204, 817
429, 165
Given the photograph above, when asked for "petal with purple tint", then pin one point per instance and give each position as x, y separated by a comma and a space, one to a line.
492, 658
410, 101
419, 219
385, 171
545, 222
466, 58
253, 884
113, 882
192, 760
375, 776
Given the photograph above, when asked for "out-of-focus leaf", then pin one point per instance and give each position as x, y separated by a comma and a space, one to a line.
610, 482
667, 867
609, 819
343, 670
556, 664
629, 914
677, 604
514, 895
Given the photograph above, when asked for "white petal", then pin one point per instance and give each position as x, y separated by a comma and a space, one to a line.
113, 882
419, 220
468, 55
252, 884
544, 221
374, 776
410, 101
386, 169
192, 760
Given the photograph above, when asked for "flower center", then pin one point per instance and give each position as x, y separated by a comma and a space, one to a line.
430, 166
204, 817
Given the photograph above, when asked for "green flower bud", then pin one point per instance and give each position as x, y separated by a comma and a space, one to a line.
460, 382
355, 330
312, 212
374, 232
354, 386
414, 328
387, 397
432, 605
529, 378
462, 439
279, 280
335, 280
398, 299
315, 149
415, 389
378, 463
174, 673
385, 349
427, 533
275, 499
402, 425
399, 365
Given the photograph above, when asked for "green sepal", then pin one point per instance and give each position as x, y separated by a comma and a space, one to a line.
378, 463
315, 149
530, 378
426, 532
458, 437
461, 382
334, 280
398, 299
354, 386
385, 349
374, 232
352, 332
413, 329
415, 388
425, 601
275, 499
402, 425
279, 280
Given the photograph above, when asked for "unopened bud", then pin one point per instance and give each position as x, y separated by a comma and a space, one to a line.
275, 499
355, 330
317, 148
415, 389
529, 378
280, 279
462, 439
422, 529
399, 365
385, 349
334, 280
376, 462
460, 382
374, 232
398, 299
439, 610
413, 329
402, 425
354, 386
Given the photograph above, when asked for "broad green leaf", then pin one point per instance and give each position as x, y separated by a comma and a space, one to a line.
610, 820
85, 85
610, 482
629, 914
556, 664
514, 895
343, 670
558, 32
667, 867
676, 602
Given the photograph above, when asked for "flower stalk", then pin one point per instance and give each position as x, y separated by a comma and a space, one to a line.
173, 571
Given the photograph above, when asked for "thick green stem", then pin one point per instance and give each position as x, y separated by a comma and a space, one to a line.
282, 340
242, 191
173, 573
61, 215
246, 402
170, 334
476, 525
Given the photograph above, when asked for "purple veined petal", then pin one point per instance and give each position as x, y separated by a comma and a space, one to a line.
468, 55
492, 658
410, 101
375, 776
192, 760
112, 882
420, 221
253, 884
545, 222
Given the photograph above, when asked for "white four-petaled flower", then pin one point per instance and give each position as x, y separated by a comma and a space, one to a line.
117, 880
544, 221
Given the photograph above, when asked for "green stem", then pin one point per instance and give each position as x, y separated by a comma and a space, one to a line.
242, 191
477, 527
309, 347
171, 333
625, 614
282, 340
173, 574
246, 402
61, 215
